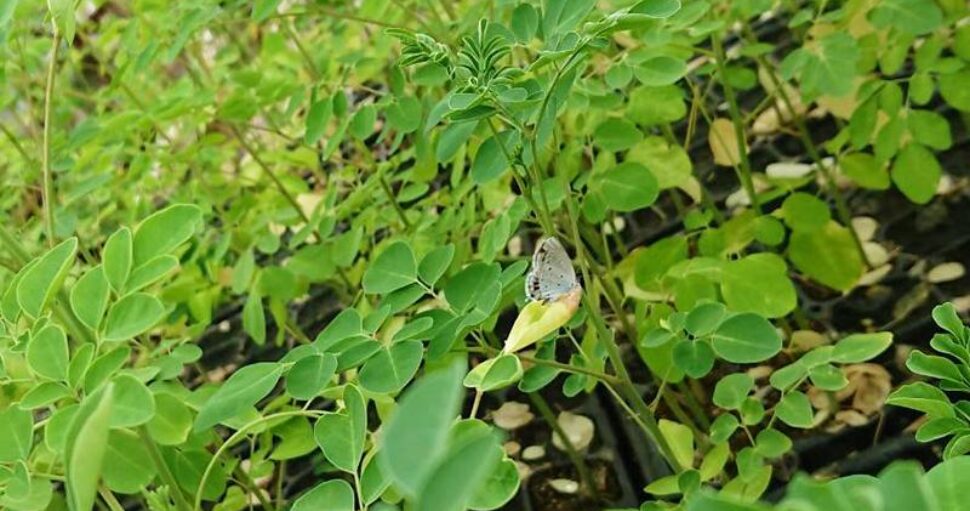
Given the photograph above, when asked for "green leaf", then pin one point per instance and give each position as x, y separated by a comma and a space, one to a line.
746, 338
948, 482
805, 212
494, 373
47, 353
829, 68
705, 318
525, 22
914, 17
464, 470
62, 13
103, 367
242, 390
434, 264
916, 173
659, 71
828, 377
341, 435
254, 318
16, 434
126, 469
116, 259
415, 437
310, 375
657, 8
731, 390
464, 288
404, 115
946, 317
263, 9
829, 256
561, 16
44, 394
333, 495
392, 368
865, 170
681, 441
491, 160
650, 106
500, 487
163, 231
44, 278
772, 443
86, 446
627, 187
759, 283
933, 366
393, 269
795, 410
616, 135
953, 88
695, 358
151, 272
316, 118
172, 421
133, 403
861, 347
89, 297
930, 129
723, 427
131, 316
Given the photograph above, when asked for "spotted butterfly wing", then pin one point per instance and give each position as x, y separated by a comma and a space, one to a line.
552, 272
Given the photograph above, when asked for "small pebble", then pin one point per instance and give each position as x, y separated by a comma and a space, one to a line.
512, 447
567, 486
865, 227
945, 272
512, 415
578, 428
533, 452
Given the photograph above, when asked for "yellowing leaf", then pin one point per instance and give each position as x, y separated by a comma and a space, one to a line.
724, 143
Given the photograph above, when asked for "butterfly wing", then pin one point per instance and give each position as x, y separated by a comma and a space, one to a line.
552, 272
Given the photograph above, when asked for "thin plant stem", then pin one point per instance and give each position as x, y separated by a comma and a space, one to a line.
841, 206
390, 196
250, 485
546, 412
475, 404
163, 470
269, 173
110, 499
46, 152
625, 385
745, 169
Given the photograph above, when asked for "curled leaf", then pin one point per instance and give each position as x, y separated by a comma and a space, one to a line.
539, 319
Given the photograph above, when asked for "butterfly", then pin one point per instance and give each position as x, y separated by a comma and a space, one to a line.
551, 275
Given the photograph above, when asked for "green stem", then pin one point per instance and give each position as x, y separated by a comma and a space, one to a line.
164, 471
390, 196
625, 385
250, 486
745, 171
46, 152
841, 206
269, 173
546, 412
110, 499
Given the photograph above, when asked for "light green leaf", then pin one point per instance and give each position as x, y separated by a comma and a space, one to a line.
681, 441
89, 297
861, 347
627, 187
116, 259
746, 338
914, 17
39, 283
828, 255
659, 71
86, 446
393, 269
310, 375
617, 135
392, 368
131, 316
434, 264
133, 403
333, 495
242, 390
414, 439
759, 283
341, 435
916, 173
126, 469
172, 421
163, 231
47, 353
16, 434
795, 410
